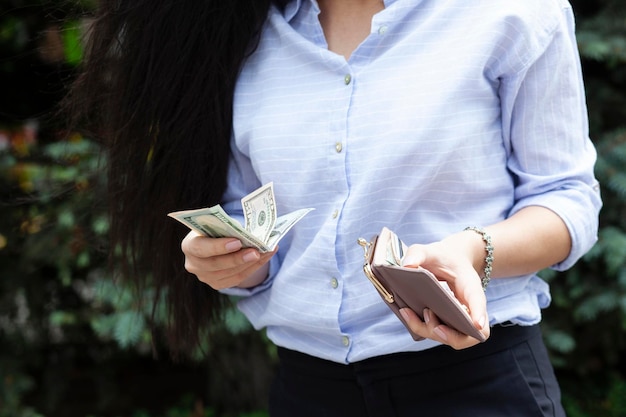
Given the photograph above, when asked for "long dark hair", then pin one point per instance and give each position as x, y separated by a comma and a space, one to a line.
156, 88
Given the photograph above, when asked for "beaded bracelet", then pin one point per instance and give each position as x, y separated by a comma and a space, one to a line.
489, 258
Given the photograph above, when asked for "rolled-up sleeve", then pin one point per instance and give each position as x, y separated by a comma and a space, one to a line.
546, 129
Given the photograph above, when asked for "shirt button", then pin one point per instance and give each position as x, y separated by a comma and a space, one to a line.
347, 79
338, 147
382, 30
345, 340
335, 214
334, 283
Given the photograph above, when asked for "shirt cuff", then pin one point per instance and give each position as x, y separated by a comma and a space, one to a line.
578, 208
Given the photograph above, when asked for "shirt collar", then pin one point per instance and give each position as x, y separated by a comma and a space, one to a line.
291, 9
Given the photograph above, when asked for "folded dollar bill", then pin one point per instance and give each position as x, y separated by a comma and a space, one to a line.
263, 228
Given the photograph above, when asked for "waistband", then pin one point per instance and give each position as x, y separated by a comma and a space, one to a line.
503, 337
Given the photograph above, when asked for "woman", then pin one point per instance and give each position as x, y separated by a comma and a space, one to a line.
461, 126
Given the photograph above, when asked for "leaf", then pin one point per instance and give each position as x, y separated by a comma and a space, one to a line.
594, 305
614, 245
617, 183
103, 325
83, 260
107, 292
60, 318
128, 328
72, 43
100, 225
621, 279
622, 304
560, 341
66, 219
235, 322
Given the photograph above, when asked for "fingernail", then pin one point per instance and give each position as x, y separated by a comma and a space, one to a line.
426, 315
233, 245
440, 333
251, 256
404, 314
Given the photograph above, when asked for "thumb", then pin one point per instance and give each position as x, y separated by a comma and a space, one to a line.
414, 256
477, 304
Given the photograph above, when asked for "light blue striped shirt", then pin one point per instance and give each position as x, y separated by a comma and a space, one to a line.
451, 113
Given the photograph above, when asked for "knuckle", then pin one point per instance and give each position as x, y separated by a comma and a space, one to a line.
189, 266
198, 246
189, 247
210, 280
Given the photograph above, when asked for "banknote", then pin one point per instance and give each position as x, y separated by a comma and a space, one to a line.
263, 229
283, 224
214, 222
395, 250
259, 210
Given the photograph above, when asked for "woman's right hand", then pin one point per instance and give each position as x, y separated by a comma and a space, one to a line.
222, 263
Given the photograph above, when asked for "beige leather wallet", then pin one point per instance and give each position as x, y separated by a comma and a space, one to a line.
416, 288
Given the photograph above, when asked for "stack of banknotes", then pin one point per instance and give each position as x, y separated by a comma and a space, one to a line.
263, 228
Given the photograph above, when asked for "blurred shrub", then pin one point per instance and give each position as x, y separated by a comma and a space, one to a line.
72, 342
64, 319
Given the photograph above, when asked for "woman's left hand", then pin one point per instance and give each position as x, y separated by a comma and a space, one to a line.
451, 260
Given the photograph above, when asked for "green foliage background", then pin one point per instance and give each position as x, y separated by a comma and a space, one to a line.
74, 343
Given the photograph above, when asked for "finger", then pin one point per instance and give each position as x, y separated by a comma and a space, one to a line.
200, 246
456, 339
470, 293
415, 256
227, 264
478, 311
448, 335
229, 277
216, 254
432, 328
429, 327
414, 322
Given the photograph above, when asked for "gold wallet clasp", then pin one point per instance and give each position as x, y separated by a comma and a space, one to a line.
368, 248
